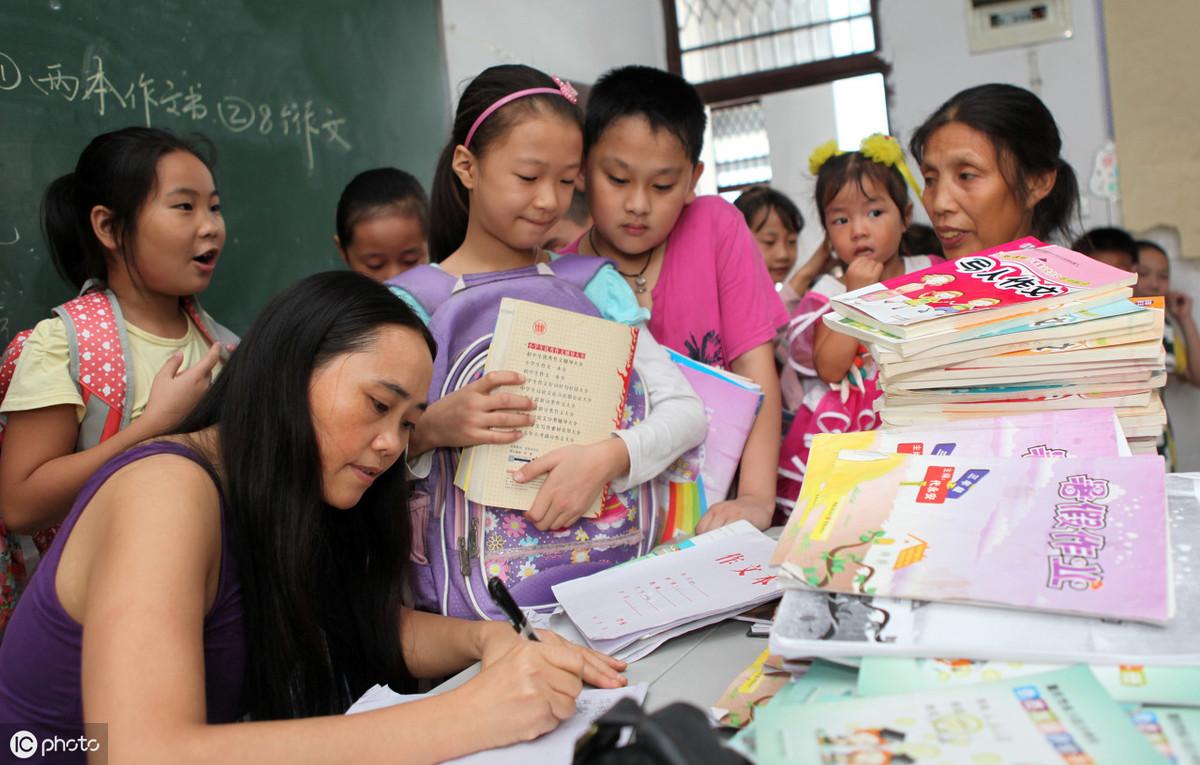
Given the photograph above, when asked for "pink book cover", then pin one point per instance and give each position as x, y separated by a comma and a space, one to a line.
1084, 536
1011, 275
731, 404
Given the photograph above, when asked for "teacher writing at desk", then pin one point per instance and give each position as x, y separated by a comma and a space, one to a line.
251, 567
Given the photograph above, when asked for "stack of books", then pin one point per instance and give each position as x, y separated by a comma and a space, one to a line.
1021, 328
951, 575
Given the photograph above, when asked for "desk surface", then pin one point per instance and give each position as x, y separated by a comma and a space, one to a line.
695, 667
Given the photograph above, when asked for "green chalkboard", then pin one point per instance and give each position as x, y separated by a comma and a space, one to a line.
297, 95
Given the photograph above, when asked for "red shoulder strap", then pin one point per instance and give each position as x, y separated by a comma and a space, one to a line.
102, 370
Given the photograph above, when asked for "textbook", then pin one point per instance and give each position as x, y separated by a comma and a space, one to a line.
1015, 280
576, 370
1085, 536
1083, 433
1054, 717
731, 403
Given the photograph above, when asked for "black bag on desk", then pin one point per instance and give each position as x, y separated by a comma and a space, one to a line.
677, 735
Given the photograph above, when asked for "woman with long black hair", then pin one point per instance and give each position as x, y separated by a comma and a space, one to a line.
253, 564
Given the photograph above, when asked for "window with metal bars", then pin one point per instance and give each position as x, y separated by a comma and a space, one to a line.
737, 48
740, 145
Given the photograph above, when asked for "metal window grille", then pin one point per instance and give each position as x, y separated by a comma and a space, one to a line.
722, 39
740, 145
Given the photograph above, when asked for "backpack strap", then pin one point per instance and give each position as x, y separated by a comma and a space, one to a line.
99, 362
213, 332
428, 285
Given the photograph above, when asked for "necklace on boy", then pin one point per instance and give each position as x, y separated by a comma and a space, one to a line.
639, 279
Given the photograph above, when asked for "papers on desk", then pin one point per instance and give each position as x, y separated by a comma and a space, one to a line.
557, 746
629, 610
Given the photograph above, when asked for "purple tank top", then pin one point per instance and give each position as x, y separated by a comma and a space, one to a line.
40, 657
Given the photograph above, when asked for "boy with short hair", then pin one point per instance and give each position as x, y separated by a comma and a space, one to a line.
1113, 246
691, 261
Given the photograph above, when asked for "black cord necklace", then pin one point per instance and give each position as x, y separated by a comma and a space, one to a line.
639, 279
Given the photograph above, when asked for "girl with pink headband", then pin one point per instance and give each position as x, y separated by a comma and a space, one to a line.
505, 177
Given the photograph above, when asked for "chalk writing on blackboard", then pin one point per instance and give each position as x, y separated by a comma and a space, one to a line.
10, 73
7, 240
317, 127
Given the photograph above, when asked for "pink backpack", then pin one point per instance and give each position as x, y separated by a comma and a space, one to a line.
99, 353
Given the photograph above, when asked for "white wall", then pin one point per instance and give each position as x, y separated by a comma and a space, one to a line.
574, 39
798, 121
926, 43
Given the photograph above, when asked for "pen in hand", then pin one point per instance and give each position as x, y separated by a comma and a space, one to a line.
502, 598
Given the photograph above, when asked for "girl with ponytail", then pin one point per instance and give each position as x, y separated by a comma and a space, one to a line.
137, 229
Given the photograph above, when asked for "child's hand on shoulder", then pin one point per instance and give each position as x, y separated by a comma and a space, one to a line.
575, 476
471, 415
861, 272
758, 512
173, 394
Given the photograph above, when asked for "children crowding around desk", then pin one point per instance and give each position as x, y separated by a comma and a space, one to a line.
270, 557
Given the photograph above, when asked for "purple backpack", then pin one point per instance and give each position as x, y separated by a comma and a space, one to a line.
458, 544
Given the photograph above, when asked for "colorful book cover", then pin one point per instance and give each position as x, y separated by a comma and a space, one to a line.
1002, 283
1086, 536
812, 623
1126, 683
703, 475
1057, 717
1173, 731
1082, 433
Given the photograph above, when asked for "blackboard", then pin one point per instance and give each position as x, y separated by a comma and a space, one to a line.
297, 96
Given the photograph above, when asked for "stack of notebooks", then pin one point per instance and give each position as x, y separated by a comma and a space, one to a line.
1020, 328
629, 610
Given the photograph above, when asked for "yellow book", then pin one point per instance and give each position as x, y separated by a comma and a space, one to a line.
576, 370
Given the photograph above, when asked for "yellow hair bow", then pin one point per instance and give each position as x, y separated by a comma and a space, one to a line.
823, 154
886, 150
880, 148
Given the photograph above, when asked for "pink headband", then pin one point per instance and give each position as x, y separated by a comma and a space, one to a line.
564, 89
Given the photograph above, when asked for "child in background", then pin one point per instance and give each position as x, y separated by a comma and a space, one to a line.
571, 225
382, 222
1112, 246
776, 223
691, 261
1180, 335
138, 225
257, 559
865, 211
990, 157
502, 181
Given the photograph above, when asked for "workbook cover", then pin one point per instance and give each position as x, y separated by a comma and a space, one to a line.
1062, 717
814, 623
1018, 278
1084, 536
1078, 433
576, 370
